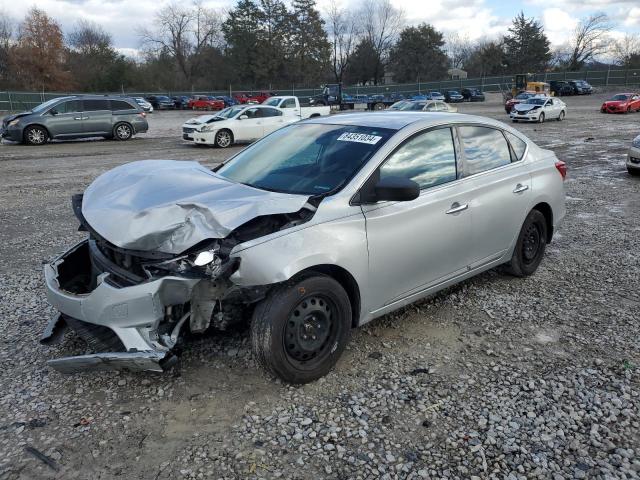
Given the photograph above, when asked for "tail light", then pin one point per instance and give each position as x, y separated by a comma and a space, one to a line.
562, 168
142, 114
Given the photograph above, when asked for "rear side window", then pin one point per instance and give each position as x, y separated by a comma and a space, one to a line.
95, 105
517, 144
428, 159
288, 103
121, 105
485, 148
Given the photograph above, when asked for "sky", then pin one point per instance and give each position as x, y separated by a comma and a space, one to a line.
472, 18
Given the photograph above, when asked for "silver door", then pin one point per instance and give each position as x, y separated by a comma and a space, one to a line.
98, 118
501, 192
416, 244
65, 119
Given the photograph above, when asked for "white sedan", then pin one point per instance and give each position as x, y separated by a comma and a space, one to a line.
238, 124
539, 109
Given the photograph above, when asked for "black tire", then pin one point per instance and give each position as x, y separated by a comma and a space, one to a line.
283, 339
224, 139
35, 135
378, 106
541, 118
633, 171
530, 245
122, 131
561, 116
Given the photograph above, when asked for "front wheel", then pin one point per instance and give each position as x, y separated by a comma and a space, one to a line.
301, 328
36, 135
223, 139
541, 118
530, 245
633, 171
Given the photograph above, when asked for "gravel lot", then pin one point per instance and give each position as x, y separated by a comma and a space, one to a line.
495, 378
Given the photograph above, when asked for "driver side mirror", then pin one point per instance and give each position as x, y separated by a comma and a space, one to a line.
396, 189
243, 117
53, 111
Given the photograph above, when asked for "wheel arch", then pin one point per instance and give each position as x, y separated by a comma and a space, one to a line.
545, 209
346, 280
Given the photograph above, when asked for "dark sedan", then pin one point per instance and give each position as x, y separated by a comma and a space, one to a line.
160, 102
453, 96
472, 95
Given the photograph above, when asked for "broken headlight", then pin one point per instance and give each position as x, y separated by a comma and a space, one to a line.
204, 264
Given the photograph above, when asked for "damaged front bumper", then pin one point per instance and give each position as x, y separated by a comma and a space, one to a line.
89, 301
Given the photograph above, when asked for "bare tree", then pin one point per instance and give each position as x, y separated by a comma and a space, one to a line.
88, 38
6, 37
343, 33
590, 39
184, 33
624, 49
458, 48
381, 25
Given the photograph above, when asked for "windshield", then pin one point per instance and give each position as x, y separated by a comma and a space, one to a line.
272, 102
398, 105
524, 96
453, 92
413, 106
620, 97
230, 112
536, 101
43, 106
306, 159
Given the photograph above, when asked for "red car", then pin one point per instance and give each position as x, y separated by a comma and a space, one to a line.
622, 103
205, 103
252, 97
520, 97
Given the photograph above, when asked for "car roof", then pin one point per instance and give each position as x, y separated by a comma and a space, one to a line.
399, 120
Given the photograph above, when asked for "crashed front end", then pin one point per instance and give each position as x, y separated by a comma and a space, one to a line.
131, 305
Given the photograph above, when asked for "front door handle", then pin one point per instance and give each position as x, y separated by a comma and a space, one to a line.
456, 207
77, 118
520, 188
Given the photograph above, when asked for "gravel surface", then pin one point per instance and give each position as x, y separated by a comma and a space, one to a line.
497, 377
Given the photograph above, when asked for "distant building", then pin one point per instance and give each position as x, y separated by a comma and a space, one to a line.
456, 74
387, 79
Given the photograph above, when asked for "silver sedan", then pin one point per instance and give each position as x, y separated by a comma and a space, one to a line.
316, 229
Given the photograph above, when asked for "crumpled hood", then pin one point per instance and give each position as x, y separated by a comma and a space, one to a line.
524, 107
9, 118
170, 206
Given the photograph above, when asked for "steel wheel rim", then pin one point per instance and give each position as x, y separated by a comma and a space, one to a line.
224, 139
123, 131
311, 330
36, 135
531, 243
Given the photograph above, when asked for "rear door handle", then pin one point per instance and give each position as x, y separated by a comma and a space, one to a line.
456, 207
520, 188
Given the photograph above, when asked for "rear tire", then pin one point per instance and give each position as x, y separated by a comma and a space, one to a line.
530, 245
122, 132
301, 328
35, 135
561, 116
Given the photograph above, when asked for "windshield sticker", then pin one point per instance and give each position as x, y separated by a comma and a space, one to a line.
359, 138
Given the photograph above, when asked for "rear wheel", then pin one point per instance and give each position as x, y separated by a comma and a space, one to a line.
122, 131
301, 328
561, 116
35, 135
378, 106
223, 139
530, 245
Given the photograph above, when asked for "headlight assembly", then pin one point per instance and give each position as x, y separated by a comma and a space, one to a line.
208, 128
204, 264
13, 122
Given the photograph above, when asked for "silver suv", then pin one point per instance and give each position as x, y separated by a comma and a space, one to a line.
317, 228
78, 116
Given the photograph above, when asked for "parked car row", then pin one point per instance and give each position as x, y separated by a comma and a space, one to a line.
561, 88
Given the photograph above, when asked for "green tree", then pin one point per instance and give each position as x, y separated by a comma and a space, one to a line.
486, 59
419, 55
309, 47
362, 66
527, 48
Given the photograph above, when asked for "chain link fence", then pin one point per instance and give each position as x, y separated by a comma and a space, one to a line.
18, 101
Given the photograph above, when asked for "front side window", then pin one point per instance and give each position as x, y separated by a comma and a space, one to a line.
485, 148
95, 105
429, 159
70, 106
308, 159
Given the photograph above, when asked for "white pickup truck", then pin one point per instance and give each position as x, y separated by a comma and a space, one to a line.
291, 107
